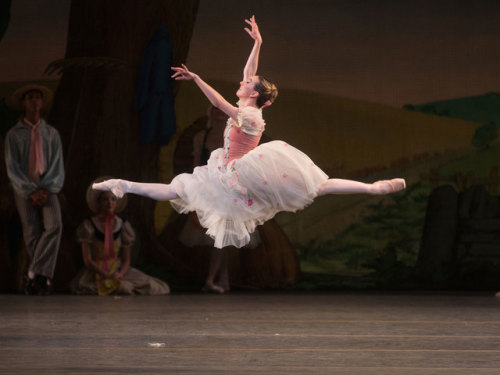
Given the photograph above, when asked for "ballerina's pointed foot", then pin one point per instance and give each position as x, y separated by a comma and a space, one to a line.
388, 186
116, 186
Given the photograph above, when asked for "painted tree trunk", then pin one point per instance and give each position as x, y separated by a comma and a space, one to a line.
93, 107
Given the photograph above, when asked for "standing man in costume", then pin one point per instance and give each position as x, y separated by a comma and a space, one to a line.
34, 159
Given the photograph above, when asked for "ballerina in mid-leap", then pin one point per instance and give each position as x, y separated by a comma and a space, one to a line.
244, 184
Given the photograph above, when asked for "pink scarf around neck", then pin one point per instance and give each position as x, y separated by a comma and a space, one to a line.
36, 165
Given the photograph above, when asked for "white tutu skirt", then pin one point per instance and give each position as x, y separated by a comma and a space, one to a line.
231, 200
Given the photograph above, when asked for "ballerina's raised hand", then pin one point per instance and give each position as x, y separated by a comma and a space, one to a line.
254, 31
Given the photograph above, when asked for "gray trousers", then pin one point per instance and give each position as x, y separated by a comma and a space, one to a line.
42, 228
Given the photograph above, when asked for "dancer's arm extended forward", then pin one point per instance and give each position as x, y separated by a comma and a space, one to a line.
182, 73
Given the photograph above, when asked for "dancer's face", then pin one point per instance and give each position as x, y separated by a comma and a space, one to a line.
247, 88
107, 202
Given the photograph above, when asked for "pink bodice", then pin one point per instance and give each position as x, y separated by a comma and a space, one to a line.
240, 143
243, 134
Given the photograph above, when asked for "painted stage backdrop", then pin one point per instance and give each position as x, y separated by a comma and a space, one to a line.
442, 232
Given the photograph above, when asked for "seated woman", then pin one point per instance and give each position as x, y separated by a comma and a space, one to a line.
106, 242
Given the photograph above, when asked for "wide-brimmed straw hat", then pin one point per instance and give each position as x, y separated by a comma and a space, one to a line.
16, 98
93, 197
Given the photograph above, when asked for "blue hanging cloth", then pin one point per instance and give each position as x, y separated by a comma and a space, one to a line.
154, 99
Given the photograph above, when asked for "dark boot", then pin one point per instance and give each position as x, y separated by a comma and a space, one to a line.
30, 286
44, 284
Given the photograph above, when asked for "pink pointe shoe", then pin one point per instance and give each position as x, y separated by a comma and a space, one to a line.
388, 186
117, 187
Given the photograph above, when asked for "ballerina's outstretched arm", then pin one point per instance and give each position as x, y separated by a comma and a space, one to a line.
182, 73
253, 60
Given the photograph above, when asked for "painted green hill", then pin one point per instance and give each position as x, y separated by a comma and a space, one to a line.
345, 137
481, 108
484, 109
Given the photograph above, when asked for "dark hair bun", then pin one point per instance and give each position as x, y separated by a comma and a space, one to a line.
267, 91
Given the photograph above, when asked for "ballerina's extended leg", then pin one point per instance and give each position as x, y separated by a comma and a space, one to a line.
340, 186
159, 192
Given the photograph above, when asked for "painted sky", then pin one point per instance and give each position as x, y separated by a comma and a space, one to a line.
387, 51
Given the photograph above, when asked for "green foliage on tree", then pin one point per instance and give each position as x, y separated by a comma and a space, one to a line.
485, 134
380, 251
